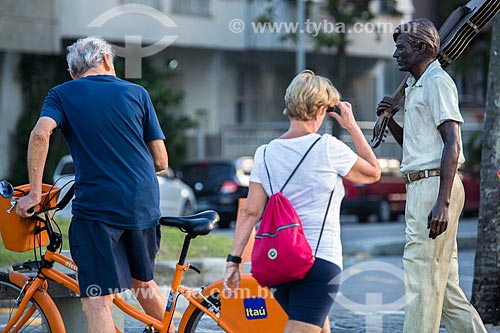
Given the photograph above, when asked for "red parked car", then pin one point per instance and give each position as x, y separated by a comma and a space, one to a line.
471, 183
386, 198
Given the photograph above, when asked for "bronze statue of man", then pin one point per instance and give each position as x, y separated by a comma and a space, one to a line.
432, 151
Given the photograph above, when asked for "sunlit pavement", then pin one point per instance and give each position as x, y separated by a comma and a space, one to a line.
372, 287
385, 290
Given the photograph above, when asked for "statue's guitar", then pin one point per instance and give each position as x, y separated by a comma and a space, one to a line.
463, 24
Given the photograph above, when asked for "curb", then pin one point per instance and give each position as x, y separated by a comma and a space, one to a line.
212, 269
395, 247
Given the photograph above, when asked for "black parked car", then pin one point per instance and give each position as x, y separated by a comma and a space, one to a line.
218, 184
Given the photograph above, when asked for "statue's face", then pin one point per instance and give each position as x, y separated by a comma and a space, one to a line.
406, 56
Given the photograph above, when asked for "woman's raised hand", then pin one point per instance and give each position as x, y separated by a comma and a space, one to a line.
345, 118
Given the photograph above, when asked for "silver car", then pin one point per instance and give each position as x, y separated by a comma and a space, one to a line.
176, 198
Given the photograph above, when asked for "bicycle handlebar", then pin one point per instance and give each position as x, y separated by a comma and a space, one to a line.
59, 206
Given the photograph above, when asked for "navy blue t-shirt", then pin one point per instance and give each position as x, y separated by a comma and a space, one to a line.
106, 122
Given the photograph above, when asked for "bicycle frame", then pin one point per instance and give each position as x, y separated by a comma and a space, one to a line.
236, 316
233, 316
39, 284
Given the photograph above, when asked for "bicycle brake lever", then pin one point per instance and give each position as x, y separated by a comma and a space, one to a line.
194, 268
27, 265
13, 203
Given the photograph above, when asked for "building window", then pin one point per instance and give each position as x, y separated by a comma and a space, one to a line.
387, 7
191, 7
156, 4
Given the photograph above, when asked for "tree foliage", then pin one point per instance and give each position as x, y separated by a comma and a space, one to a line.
38, 73
345, 12
348, 13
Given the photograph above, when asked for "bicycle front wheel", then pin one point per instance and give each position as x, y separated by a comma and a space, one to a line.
32, 320
200, 322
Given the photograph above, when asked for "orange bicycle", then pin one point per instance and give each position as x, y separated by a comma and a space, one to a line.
26, 304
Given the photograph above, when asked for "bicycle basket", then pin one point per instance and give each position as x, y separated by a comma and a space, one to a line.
18, 234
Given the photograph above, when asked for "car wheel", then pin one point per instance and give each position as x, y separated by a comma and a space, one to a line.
224, 224
362, 218
225, 220
383, 211
187, 209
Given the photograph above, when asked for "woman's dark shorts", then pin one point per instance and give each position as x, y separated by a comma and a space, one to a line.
108, 257
309, 300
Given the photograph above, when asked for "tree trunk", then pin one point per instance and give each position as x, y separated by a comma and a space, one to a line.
486, 285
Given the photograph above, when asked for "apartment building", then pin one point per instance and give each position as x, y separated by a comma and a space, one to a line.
233, 75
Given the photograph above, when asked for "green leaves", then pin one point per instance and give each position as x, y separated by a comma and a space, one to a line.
39, 73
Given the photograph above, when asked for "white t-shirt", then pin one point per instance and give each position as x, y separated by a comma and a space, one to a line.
309, 189
430, 101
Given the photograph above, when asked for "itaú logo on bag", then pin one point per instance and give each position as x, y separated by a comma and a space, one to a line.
255, 308
272, 254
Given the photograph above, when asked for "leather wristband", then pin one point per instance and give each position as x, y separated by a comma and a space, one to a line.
235, 259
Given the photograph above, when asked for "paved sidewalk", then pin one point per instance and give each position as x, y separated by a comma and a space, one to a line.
372, 243
373, 287
392, 323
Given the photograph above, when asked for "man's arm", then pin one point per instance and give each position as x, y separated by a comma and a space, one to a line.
438, 218
396, 130
38, 149
159, 153
247, 219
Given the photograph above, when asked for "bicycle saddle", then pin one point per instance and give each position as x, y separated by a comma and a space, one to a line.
194, 225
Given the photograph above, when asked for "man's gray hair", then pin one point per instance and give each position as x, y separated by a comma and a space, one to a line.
87, 53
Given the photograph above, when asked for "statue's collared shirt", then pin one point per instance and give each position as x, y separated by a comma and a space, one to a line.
429, 102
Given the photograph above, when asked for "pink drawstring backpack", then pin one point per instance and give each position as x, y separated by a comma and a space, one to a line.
281, 252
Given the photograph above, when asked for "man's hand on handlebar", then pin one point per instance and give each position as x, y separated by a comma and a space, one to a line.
25, 205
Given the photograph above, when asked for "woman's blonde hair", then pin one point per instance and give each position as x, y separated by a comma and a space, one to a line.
306, 93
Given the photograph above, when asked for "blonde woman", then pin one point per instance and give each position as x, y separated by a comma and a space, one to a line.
308, 99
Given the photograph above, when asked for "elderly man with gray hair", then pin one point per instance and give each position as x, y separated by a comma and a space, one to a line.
116, 142
432, 151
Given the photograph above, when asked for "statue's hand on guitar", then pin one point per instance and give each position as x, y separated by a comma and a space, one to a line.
385, 110
386, 107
